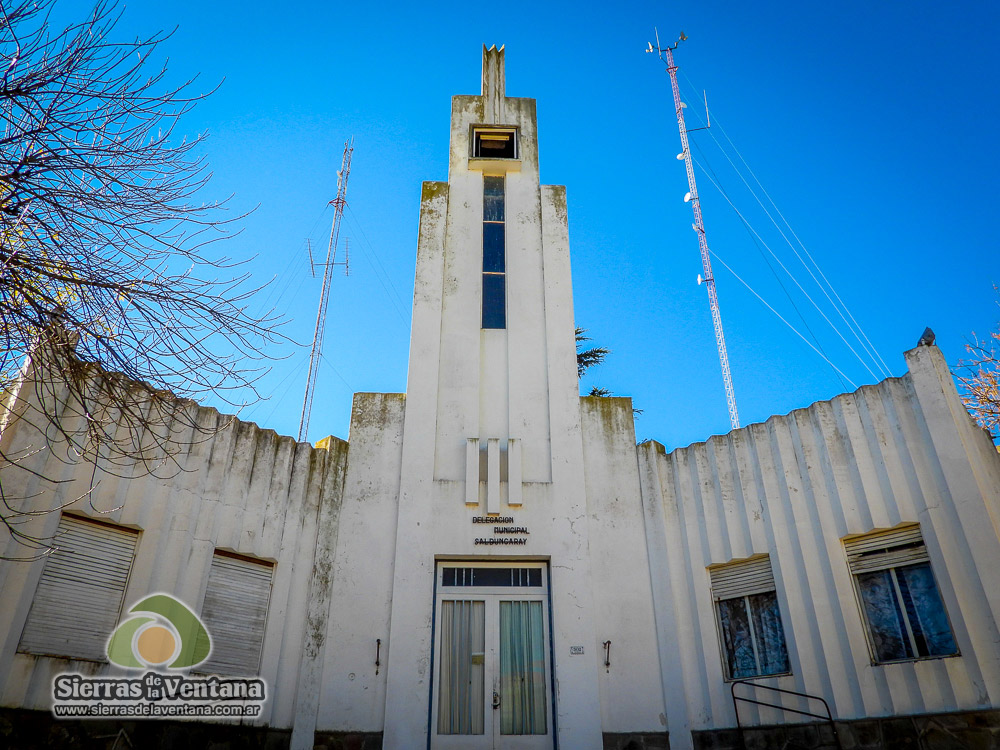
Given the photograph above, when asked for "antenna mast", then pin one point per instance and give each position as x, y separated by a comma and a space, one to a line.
338, 204
667, 56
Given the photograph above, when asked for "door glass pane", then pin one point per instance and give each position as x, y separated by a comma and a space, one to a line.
460, 696
522, 668
885, 618
925, 611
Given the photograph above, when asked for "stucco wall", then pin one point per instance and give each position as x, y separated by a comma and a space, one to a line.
353, 695
903, 450
233, 487
631, 692
469, 382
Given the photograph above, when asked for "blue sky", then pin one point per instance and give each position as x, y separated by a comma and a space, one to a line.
871, 125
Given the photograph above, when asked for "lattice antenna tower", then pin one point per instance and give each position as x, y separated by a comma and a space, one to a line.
338, 204
666, 54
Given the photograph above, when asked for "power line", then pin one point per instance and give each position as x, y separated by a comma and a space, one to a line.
770, 267
819, 270
764, 302
852, 325
380, 273
791, 275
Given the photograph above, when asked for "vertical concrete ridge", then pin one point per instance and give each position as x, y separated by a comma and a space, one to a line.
494, 84
303, 702
225, 484
902, 450
623, 603
661, 559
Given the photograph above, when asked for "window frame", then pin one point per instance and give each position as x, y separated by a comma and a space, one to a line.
763, 586
893, 542
476, 130
502, 275
210, 665
68, 519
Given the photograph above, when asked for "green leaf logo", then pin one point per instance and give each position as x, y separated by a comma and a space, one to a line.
176, 635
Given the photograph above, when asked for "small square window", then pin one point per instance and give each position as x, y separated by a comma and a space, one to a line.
494, 143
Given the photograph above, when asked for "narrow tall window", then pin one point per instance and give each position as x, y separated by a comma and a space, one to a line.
899, 599
494, 254
752, 636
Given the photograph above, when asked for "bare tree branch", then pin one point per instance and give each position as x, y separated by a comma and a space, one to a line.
105, 271
979, 378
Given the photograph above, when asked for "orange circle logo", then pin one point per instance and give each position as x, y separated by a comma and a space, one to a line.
155, 645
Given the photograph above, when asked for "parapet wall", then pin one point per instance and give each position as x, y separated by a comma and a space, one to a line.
227, 485
903, 450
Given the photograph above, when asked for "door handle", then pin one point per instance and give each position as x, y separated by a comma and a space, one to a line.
496, 700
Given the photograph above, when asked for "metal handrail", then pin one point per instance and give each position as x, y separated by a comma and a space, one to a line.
739, 726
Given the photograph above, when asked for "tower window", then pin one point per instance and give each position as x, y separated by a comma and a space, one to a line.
494, 254
494, 144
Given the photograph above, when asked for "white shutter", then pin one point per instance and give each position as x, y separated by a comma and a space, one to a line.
886, 549
79, 596
234, 614
743, 578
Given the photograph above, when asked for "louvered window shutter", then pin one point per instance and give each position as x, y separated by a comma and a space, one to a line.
744, 578
234, 614
886, 549
79, 596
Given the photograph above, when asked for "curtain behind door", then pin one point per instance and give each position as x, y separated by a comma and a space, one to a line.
463, 638
522, 668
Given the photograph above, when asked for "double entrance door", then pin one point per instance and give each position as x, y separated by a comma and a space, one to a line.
491, 651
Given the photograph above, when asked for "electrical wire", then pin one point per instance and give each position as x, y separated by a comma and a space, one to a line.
774, 273
791, 276
865, 344
874, 352
337, 372
764, 302
874, 358
383, 278
280, 399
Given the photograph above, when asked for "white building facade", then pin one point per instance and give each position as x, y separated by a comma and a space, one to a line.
492, 562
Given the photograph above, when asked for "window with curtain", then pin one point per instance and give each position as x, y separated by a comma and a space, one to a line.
750, 631
900, 602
